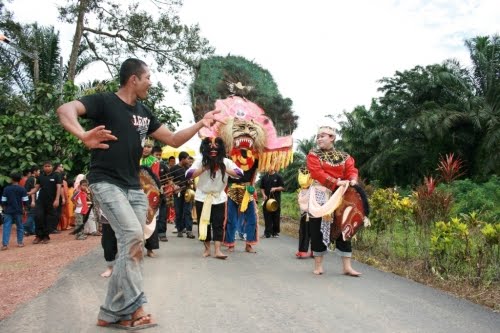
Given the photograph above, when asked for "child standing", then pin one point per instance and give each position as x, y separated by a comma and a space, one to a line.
14, 197
81, 208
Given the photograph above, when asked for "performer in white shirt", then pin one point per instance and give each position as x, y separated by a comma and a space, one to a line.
212, 171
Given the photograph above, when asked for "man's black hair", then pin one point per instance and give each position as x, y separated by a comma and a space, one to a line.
183, 155
15, 176
131, 67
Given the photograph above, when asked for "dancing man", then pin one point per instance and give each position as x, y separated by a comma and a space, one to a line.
122, 125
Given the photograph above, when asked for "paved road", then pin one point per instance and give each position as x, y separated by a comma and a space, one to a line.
270, 291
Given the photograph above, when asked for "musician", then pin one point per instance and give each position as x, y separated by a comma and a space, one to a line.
331, 169
150, 161
162, 213
183, 217
116, 142
213, 171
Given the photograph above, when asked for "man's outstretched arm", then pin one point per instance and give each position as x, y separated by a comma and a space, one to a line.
68, 116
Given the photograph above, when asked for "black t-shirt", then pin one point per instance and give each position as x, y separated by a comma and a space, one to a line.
30, 183
268, 181
48, 186
131, 124
178, 175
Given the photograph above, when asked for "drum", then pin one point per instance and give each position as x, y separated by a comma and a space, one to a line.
151, 187
350, 216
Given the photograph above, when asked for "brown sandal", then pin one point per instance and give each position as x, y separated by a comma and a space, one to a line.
139, 323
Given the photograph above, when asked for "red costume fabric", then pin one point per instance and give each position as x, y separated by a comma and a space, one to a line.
327, 166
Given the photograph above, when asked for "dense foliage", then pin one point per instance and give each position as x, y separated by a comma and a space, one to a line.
31, 91
110, 31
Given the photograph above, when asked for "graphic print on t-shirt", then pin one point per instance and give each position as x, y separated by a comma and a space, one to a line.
141, 125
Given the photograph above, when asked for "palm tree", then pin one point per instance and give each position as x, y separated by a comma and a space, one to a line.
43, 44
485, 56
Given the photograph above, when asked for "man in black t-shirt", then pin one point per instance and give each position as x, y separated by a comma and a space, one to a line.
122, 124
183, 217
49, 184
161, 221
29, 226
271, 185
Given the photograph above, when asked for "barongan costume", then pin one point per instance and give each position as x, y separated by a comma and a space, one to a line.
252, 143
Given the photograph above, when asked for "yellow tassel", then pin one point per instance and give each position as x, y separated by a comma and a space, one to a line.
262, 161
280, 159
289, 156
284, 158
245, 201
268, 161
275, 157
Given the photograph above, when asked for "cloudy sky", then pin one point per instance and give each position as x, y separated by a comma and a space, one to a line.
325, 55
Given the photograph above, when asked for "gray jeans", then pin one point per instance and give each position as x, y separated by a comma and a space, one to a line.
126, 212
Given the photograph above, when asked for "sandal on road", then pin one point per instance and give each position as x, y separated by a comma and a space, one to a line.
140, 323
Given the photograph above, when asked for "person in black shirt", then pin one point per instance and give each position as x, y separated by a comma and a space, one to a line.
162, 213
122, 124
29, 226
49, 183
271, 185
183, 218
14, 200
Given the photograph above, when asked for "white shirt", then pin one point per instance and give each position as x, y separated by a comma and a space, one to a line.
215, 186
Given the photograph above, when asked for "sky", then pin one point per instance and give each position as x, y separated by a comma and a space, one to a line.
327, 56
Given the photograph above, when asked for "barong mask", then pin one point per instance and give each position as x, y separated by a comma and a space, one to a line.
250, 136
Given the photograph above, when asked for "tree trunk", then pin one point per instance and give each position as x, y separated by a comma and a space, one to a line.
82, 10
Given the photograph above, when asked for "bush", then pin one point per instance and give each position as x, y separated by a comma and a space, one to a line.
469, 196
431, 206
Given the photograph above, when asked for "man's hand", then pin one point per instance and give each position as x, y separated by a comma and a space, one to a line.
342, 183
210, 118
95, 137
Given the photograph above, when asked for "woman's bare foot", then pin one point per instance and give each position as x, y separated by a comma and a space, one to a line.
206, 253
151, 254
107, 273
220, 255
347, 268
352, 272
230, 248
250, 249
318, 265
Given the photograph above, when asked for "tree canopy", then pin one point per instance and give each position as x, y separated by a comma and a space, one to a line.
217, 77
110, 31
